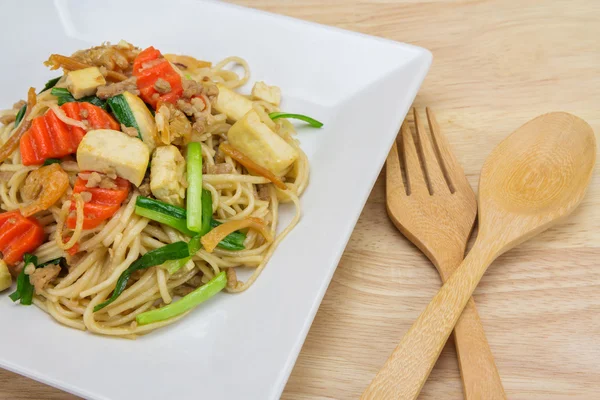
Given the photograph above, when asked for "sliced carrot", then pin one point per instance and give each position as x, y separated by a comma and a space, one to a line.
251, 165
103, 204
18, 235
148, 67
49, 137
72, 250
214, 237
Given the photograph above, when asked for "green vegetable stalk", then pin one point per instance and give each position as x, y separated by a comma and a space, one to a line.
176, 217
311, 121
64, 96
194, 190
185, 304
173, 251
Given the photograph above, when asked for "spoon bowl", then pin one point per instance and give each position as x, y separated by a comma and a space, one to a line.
533, 179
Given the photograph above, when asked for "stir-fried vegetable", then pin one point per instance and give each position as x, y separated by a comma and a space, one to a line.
131, 111
194, 190
102, 205
50, 84
158, 256
173, 266
164, 213
18, 235
24, 291
311, 121
251, 165
149, 67
185, 304
20, 115
13, 141
50, 161
49, 137
56, 61
212, 238
43, 188
232, 242
64, 96
5, 276
122, 111
175, 217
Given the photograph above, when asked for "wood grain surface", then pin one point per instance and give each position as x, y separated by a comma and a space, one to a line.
531, 181
497, 64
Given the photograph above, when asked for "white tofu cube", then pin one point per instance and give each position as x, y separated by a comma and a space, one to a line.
256, 140
84, 82
232, 104
105, 150
167, 175
270, 94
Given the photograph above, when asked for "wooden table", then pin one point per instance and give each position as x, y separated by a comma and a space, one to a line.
497, 64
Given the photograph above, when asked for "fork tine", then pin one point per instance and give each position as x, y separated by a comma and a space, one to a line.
415, 180
393, 171
433, 170
453, 172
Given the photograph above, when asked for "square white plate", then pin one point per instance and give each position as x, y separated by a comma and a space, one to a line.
235, 346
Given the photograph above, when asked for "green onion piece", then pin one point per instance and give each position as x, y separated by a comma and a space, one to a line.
158, 256
187, 303
194, 190
24, 291
50, 84
311, 121
173, 266
175, 217
122, 111
21, 279
162, 212
207, 211
95, 101
27, 291
176, 223
51, 161
64, 96
20, 115
56, 261
161, 206
233, 242
194, 245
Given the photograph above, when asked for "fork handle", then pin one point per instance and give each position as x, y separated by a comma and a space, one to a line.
480, 376
407, 368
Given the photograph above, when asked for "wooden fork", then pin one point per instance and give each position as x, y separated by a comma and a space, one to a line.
431, 202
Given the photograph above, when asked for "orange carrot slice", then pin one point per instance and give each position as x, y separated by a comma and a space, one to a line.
49, 137
251, 165
103, 204
18, 235
213, 237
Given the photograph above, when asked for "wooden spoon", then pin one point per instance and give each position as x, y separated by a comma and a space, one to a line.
533, 179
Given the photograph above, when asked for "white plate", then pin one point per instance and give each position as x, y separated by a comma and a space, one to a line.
235, 346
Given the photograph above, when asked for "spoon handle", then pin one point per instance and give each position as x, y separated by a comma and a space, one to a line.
408, 367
